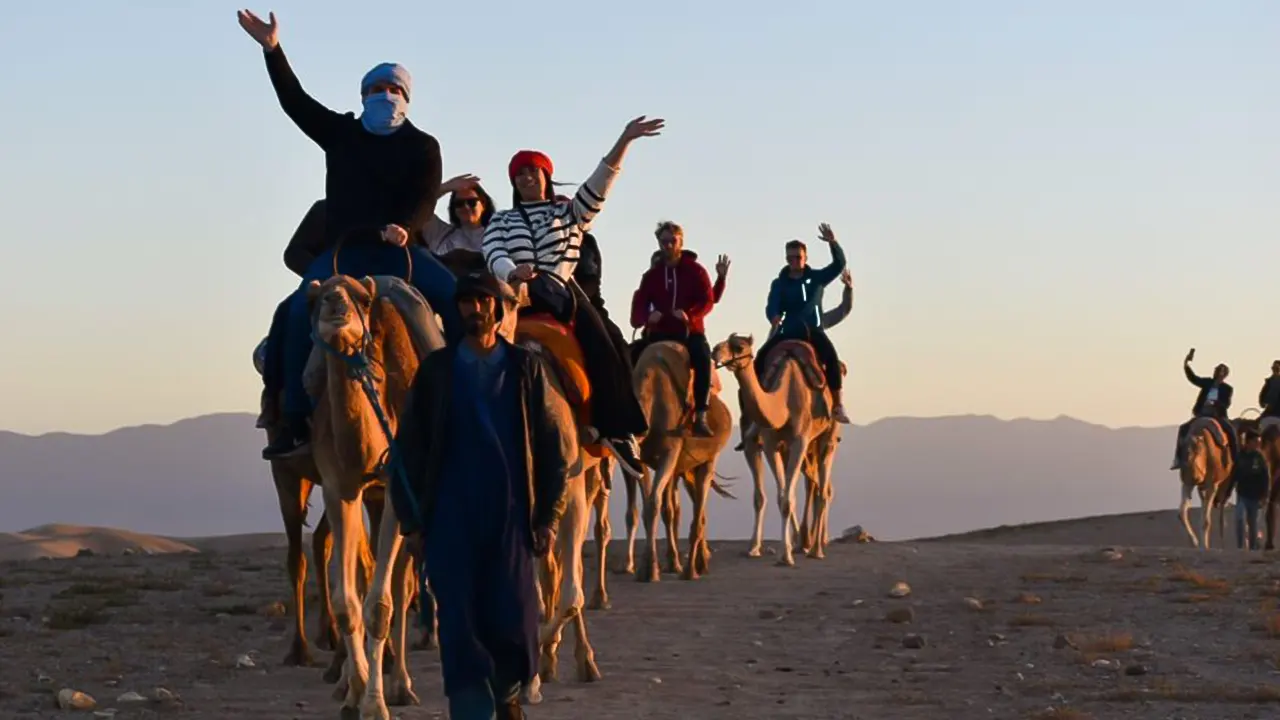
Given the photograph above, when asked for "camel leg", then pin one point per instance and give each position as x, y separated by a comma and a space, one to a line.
699, 489
654, 494
633, 522
375, 504
347, 522
755, 463
1271, 516
292, 492
806, 517
577, 515
671, 519
604, 533
379, 612
787, 494
404, 581
322, 554
821, 493
1184, 513
1206, 517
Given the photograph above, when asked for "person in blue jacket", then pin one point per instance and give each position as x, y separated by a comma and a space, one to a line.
794, 309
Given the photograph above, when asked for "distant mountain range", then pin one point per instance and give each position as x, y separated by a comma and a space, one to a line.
898, 477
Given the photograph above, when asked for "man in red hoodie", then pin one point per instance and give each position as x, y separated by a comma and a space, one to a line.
673, 298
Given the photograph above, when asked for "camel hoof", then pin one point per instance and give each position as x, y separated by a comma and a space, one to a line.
327, 640
375, 710
652, 576
402, 697
599, 603
299, 655
816, 554
588, 672
689, 574
332, 675
753, 553
340, 695
786, 562
628, 569
531, 693
426, 642
674, 569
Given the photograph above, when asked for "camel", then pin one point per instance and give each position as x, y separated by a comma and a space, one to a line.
669, 450
1269, 428
560, 572
294, 479
385, 323
1206, 469
792, 415
599, 487
670, 520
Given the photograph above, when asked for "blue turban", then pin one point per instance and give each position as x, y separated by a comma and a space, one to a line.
392, 73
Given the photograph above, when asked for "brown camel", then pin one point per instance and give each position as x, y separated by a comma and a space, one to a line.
560, 573
599, 487
663, 381
387, 323
792, 413
1206, 470
670, 521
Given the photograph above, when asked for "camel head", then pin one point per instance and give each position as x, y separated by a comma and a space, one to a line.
340, 308
734, 353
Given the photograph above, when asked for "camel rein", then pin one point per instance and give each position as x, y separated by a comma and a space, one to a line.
361, 370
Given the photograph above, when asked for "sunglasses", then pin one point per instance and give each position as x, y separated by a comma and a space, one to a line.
466, 202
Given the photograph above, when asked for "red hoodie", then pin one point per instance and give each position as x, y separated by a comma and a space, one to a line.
666, 289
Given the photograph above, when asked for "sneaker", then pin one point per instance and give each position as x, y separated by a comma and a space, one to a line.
839, 416
700, 426
628, 453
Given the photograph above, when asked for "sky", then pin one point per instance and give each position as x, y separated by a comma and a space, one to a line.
1044, 205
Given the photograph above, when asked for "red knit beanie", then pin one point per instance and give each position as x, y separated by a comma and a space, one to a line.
529, 157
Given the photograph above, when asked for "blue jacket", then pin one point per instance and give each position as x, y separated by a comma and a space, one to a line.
799, 300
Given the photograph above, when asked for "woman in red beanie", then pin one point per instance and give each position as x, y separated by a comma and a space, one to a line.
538, 241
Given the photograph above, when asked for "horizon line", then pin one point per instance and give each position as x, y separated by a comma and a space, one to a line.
875, 421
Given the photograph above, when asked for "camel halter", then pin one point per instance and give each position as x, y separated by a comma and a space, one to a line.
360, 369
748, 356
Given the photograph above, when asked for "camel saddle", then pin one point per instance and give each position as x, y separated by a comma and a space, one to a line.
555, 342
674, 356
802, 352
1217, 432
1268, 426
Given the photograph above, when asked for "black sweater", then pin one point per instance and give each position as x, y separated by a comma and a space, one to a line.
371, 181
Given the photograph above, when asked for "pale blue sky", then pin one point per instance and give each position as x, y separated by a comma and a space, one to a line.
1044, 204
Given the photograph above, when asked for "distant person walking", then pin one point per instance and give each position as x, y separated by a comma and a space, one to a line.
1251, 479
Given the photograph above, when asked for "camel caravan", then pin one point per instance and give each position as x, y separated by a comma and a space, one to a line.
1216, 456
457, 378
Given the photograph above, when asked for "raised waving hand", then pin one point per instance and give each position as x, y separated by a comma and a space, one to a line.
266, 34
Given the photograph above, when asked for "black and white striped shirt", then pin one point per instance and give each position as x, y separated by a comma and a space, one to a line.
552, 237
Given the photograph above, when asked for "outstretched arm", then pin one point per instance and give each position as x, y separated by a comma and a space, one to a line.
589, 199
837, 264
831, 318
317, 121
1194, 379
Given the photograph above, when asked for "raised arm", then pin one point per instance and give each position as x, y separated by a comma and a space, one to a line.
832, 318
589, 199
722, 275
315, 120
1193, 378
836, 266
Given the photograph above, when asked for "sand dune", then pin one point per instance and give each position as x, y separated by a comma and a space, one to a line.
61, 541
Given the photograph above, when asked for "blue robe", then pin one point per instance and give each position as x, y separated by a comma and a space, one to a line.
479, 558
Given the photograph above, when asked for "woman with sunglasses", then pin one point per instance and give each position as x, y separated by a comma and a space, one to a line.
458, 241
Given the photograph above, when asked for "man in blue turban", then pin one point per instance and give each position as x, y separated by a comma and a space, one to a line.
382, 179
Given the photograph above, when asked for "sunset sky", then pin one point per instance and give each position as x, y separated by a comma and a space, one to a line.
1044, 204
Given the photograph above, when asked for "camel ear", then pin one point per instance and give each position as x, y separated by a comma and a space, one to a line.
313, 290
751, 340
370, 286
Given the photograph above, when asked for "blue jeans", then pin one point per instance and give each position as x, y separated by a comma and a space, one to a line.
359, 259
1247, 521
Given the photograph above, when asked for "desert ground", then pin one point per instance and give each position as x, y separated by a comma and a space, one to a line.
1108, 617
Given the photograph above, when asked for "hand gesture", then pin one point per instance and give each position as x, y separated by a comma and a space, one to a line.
543, 539
523, 273
461, 182
825, 233
654, 317
395, 235
267, 34
682, 316
722, 265
846, 277
1191, 355
640, 127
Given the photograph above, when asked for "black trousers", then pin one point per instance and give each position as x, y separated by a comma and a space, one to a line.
1227, 428
822, 347
699, 361
615, 410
